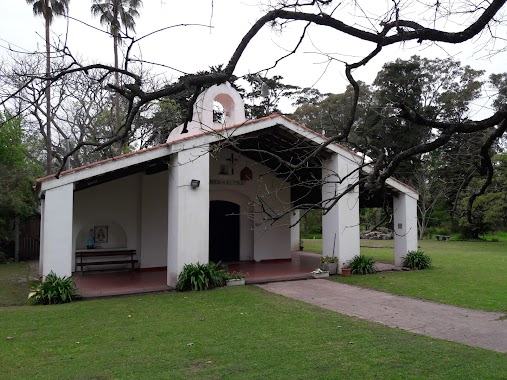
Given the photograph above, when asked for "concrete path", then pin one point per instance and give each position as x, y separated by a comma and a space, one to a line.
472, 327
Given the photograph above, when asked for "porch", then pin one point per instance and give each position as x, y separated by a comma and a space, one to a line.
115, 283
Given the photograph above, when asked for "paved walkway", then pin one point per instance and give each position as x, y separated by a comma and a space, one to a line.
472, 327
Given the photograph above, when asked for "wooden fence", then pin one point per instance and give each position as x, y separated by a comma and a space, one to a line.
29, 239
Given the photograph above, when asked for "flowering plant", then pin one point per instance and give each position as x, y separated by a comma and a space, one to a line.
345, 265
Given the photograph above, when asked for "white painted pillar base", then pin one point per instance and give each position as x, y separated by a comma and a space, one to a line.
340, 225
56, 248
295, 235
188, 211
405, 226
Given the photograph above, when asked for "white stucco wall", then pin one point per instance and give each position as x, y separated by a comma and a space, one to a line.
405, 226
154, 220
56, 248
340, 225
115, 204
272, 240
260, 240
138, 211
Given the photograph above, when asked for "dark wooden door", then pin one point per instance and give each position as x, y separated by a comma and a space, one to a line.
223, 231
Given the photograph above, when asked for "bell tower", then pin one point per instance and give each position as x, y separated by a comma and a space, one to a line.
217, 108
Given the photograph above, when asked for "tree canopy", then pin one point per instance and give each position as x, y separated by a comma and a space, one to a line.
17, 175
413, 108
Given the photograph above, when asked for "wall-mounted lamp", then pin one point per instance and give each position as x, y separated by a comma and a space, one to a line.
194, 184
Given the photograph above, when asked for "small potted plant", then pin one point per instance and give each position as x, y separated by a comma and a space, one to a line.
319, 273
330, 264
345, 270
235, 278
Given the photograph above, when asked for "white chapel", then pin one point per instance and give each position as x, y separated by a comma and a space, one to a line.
218, 190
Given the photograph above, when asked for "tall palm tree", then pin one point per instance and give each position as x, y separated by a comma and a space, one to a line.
118, 15
48, 9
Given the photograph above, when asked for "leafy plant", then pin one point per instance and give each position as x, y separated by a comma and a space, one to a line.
361, 264
329, 259
53, 290
416, 260
201, 276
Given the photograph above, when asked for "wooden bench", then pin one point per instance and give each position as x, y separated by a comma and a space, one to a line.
443, 237
120, 255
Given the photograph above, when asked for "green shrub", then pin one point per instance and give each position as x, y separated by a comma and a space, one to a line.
234, 276
416, 260
53, 290
201, 276
361, 264
3, 258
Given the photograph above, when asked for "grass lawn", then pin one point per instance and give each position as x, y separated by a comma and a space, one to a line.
467, 274
498, 236
13, 286
229, 333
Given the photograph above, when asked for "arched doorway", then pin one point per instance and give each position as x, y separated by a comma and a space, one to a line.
223, 231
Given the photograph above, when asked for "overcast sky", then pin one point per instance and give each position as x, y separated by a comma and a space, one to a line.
193, 48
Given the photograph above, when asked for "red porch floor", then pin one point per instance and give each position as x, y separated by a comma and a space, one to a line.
133, 282
120, 283
299, 267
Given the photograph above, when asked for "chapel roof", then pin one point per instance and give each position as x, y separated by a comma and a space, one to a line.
156, 147
203, 126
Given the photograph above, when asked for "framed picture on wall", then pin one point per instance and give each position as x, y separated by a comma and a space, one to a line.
101, 234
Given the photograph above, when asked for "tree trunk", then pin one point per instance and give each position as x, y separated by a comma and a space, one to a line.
116, 33
16, 240
422, 222
117, 83
48, 101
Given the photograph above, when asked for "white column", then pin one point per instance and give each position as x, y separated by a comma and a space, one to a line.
405, 225
340, 225
294, 231
188, 208
41, 241
56, 245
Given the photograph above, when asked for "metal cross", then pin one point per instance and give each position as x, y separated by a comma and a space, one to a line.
233, 161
